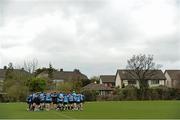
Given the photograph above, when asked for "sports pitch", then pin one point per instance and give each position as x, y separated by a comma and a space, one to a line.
99, 110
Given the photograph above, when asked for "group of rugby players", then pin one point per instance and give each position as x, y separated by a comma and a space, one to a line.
58, 101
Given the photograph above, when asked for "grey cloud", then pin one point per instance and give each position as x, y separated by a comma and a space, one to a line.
3, 5
52, 41
9, 45
90, 48
38, 7
114, 30
166, 49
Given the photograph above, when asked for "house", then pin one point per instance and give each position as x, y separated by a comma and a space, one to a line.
124, 78
63, 76
172, 78
107, 80
101, 88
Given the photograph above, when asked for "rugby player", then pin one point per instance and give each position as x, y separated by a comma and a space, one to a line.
42, 100
71, 101
37, 102
74, 100
54, 100
82, 98
60, 99
65, 102
78, 101
48, 101
29, 102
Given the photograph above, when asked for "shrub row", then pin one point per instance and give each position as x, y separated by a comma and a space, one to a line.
131, 93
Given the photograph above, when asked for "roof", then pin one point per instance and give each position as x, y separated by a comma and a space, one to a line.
126, 74
3, 72
66, 75
174, 74
107, 78
94, 86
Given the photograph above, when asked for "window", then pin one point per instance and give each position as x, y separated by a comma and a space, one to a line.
132, 82
57, 81
154, 81
110, 85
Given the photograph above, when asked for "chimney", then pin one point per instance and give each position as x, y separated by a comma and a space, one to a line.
5, 67
61, 70
76, 71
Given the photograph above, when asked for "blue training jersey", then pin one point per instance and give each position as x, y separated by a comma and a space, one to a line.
78, 98
65, 98
82, 97
42, 96
48, 97
71, 98
60, 97
29, 99
74, 96
33, 96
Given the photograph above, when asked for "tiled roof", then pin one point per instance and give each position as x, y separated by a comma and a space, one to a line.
66, 75
174, 74
107, 78
126, 74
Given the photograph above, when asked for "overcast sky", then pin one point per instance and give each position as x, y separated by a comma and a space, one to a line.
95, 36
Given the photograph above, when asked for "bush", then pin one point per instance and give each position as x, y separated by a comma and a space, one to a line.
155, 93
128, 93
132, 93
175, 93
37, 84
90, 95
159, 93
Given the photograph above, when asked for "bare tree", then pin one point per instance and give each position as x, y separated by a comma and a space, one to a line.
142, 68
10, 65
31, 65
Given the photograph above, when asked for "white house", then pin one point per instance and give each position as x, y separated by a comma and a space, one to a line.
124, 78
172, 78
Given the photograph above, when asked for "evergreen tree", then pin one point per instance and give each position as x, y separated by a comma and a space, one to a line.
50, 71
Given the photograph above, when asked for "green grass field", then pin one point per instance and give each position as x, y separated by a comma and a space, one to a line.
99, 110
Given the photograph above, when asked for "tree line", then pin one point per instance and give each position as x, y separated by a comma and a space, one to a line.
18, 83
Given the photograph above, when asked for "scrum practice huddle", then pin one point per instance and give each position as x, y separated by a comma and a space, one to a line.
58, 101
